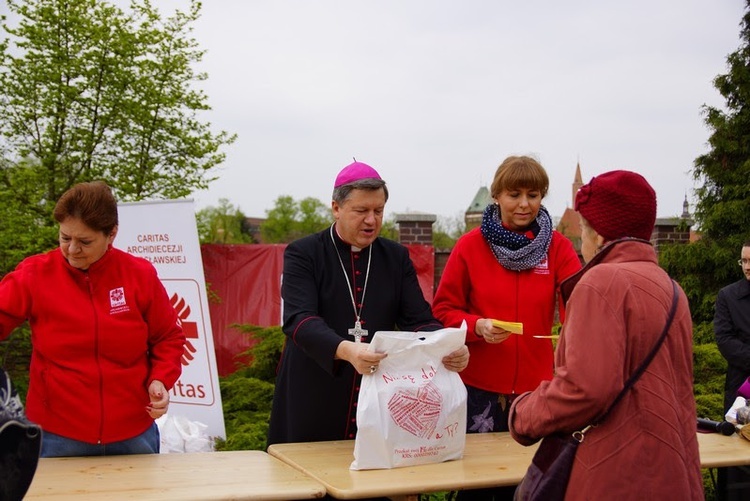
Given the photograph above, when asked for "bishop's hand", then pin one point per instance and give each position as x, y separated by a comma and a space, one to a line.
364, 361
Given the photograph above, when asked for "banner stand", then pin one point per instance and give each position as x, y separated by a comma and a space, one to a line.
165, 233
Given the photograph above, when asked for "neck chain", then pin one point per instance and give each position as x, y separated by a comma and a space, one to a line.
358, 332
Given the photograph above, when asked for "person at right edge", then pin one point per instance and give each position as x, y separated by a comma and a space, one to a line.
732, 331
616, 309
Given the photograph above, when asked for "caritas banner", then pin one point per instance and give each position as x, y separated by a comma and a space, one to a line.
165, 233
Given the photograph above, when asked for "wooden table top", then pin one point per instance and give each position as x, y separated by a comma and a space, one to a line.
718, 450
490, 460
181, 476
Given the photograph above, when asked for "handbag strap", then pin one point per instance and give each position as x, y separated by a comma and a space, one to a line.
641, 369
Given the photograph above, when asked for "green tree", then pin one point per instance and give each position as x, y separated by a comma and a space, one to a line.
87, 92
723, 208
447, 230
389, 229
247, 393
314, 216
723, 218
224, 224
290, 220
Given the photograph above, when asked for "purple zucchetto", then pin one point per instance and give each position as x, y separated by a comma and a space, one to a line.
355, 172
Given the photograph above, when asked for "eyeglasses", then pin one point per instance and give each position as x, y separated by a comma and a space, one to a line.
743, 262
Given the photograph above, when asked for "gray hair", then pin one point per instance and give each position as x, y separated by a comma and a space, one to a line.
342, 193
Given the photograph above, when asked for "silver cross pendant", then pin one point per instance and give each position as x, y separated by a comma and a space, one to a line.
358, 332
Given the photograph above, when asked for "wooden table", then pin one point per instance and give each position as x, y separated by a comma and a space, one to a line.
490, 460
718, 450
188, 476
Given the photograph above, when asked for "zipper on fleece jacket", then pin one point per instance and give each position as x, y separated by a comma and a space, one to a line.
515, 371
96, 358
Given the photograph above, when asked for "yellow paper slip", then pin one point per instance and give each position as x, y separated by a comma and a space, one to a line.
514, 327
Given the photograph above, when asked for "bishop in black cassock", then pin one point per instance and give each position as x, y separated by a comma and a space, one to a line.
316, 396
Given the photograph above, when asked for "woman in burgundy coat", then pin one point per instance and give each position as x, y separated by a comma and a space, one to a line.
617, 307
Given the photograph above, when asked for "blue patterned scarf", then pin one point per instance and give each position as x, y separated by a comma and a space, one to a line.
516, 251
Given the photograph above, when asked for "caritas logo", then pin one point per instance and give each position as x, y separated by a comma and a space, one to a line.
190, 329
195, 384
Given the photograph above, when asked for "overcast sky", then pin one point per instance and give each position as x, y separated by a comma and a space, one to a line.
434, 94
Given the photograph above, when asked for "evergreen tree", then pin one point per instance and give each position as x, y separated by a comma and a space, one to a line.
723, 209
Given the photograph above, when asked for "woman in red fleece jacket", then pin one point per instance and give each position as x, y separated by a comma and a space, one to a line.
509, 269
106, 341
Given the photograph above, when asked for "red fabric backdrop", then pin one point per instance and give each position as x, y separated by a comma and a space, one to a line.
244, 283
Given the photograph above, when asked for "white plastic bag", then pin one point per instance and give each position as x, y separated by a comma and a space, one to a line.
179, 434
412, 410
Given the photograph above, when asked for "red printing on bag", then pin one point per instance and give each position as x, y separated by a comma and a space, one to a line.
417, 410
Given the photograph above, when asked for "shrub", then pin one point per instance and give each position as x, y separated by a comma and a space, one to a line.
264, 356
247, 394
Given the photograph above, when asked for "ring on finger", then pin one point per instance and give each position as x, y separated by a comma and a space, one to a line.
373, 369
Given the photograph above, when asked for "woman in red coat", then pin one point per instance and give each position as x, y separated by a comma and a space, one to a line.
106, 341
510, 269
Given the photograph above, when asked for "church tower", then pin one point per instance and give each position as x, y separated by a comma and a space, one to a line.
577, 183
685, 209
569, 224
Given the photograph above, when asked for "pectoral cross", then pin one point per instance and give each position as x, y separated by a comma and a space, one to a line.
358, 332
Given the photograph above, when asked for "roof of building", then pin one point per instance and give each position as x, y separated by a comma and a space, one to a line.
415, 216
569, 224
481, 200
673, 221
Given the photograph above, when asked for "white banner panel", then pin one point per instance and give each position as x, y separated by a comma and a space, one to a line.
165, 233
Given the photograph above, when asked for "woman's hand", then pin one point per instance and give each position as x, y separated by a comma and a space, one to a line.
489, 332
458, 360
159, 397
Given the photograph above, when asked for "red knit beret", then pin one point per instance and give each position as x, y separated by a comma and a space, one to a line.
618, 204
